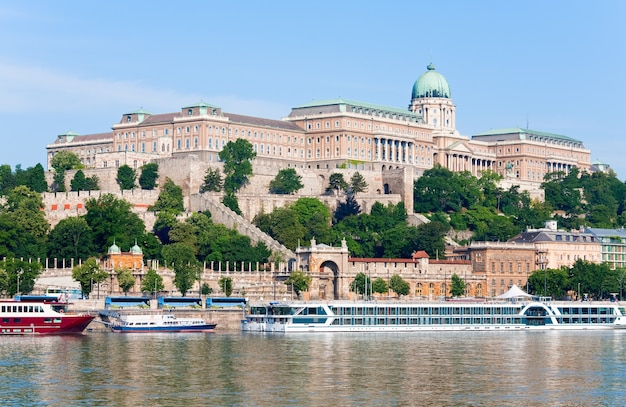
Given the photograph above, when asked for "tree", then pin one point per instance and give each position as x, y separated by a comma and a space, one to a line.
348, 208
23, 225
182, 259
212, 181
37, 179
87, 274
226, 285
125, 279
205, 289
126, 177
399, 286
152, 282
61, 162
18, 276
360, 284
149, 176
78, 182
283, 225
112, 220
550, 282
299, 281
380, 286
7, 179
65, 160
336, 183
315, 217
70, 239
230, 201
357, 183
457, 286
237, 157
286, 182
170, 199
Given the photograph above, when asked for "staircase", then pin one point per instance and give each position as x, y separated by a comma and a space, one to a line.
227, 217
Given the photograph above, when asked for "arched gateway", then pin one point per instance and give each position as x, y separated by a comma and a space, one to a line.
327, 266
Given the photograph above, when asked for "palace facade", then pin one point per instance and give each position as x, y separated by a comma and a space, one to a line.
336, 133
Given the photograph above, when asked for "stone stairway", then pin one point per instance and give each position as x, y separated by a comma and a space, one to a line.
225, 216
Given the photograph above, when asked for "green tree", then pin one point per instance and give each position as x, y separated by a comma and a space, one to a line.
457, 286
23, 225
112, 220
283, 225
7, 179
336, 183
152, 282
170, 199
18, 276
286, 182
65, 160
164, 222
149, 176
206, 289
78, 183
126, 177
299, 281
212, 181
37, 179
399, 285
380, 286
550, 282
237, 157
61, 162
87, 274
361, 284
182, 259
348, 208
125, 279
315, 217
226, 285
230, 201
71, 239
357, 183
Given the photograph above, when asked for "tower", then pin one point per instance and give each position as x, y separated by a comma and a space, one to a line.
431, 98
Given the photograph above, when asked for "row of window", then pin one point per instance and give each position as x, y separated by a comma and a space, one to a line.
21, 308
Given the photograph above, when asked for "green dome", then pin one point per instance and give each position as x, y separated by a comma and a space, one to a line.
114, 249
136, 249
431, 84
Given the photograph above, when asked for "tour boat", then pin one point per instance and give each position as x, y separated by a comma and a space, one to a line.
127, 323
392, 316
40, 315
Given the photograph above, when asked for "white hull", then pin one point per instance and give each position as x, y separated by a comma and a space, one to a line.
434, 317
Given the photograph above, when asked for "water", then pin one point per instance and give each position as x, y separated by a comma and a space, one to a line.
364, 369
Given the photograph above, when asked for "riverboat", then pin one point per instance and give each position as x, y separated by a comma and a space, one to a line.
40, 315
391, 316
130, 323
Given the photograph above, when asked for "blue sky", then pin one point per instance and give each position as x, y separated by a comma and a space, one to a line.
558, 66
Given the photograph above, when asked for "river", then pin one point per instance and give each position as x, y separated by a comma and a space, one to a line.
553, 368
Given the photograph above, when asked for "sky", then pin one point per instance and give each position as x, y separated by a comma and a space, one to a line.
554, 66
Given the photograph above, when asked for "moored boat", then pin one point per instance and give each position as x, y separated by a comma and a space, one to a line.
158, 322
366, 316
40, 315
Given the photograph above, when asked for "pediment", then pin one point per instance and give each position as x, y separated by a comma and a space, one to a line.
458, 147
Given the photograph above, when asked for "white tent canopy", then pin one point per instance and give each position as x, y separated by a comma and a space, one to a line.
514, 292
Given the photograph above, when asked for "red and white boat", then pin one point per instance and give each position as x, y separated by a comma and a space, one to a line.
40, 315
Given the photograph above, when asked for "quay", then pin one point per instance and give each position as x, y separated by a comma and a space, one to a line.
227, 319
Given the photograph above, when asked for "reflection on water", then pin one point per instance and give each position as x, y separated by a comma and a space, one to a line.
394, 369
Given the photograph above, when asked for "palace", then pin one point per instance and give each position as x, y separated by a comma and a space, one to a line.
336, 133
